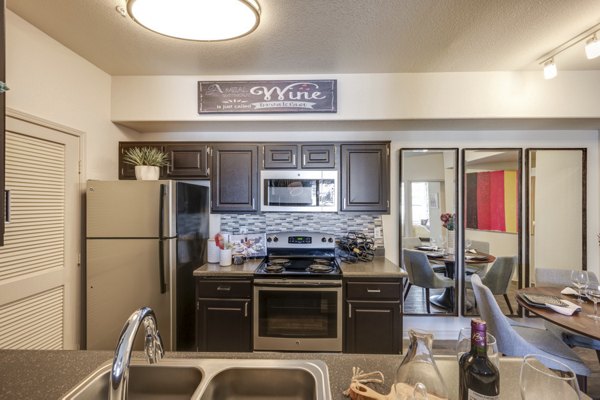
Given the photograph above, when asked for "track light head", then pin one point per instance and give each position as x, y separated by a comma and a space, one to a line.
592, 47
550, 70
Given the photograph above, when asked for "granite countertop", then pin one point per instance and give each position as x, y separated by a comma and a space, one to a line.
379, 267
31, 374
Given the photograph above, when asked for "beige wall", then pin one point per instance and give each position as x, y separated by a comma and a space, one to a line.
466, 95
49, 81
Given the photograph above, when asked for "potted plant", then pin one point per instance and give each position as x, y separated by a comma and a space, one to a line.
147, 162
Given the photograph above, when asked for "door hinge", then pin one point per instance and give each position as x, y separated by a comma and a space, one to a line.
387, 150
79, 260
197, 305
208, 150
79, 167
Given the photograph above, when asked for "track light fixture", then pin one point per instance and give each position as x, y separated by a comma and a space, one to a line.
550, 70
592, 50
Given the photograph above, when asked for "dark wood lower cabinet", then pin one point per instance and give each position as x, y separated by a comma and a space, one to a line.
224, 325
373, 319
224, 315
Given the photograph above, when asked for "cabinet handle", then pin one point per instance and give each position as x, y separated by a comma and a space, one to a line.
246, 309
253, 202
223, 288
373, 290
294, 159
349, 311
7, 206
3, 87
303, 160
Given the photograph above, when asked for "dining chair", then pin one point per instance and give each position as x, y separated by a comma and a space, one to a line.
517, 340
411, 242
480, 247
420, 273
562, 278
498, 278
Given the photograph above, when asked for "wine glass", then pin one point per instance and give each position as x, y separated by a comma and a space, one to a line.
579, 280
463, 345
593, 293
468, 244
539, 382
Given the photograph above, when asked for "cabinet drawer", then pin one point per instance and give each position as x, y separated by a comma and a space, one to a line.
373, 290
224, 289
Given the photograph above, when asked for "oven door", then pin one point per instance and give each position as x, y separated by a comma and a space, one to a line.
297, 315
293, 191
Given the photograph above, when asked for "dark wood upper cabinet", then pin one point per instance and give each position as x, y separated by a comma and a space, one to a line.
365, 177
234, 178
188, 160
318, 156
282, 156
3, 194
127, 171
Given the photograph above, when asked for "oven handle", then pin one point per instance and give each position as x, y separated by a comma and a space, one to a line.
300, 284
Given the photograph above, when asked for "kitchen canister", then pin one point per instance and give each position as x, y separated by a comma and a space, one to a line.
225, 258
213, 255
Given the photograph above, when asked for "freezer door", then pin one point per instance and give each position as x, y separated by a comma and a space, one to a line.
130, 209
122, 276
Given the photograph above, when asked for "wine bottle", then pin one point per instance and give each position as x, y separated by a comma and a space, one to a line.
479, 379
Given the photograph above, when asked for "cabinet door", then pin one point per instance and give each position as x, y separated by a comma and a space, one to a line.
127, 171
280, 156
224, 325
365, 178
373, 327
188, 161
234, 179
2, 124
318, 156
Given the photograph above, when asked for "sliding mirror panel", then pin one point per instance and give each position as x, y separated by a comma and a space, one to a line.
492, 234
428, 231
555, 236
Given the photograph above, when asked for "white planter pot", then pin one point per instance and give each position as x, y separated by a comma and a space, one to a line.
146, 173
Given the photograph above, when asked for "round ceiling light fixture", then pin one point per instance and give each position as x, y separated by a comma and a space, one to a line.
201, 20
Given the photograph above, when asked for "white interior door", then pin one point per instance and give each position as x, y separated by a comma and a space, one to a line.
39, 266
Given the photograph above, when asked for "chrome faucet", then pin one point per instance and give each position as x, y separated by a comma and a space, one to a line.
153, 347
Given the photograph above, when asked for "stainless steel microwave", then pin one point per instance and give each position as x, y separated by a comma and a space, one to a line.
299, 191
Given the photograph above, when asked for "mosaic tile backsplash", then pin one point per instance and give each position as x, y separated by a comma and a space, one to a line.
337, 224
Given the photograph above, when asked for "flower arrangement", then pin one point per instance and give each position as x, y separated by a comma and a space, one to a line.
222, 241
448, 220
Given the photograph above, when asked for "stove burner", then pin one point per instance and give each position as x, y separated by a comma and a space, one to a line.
321, 261
273, 269
279, 261
320, 268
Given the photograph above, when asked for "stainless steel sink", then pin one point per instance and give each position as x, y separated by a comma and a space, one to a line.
215, 379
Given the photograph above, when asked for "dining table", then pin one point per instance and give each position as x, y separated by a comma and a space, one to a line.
579, 322
446, 299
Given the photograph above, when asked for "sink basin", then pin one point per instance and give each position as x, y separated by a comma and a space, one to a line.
170, 381
261, 383
214, 379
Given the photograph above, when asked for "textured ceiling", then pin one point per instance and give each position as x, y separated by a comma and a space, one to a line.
331, 36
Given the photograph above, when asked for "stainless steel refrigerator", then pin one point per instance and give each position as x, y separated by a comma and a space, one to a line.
143, 241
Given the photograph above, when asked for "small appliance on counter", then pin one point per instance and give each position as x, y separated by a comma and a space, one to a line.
143, 241
298, 294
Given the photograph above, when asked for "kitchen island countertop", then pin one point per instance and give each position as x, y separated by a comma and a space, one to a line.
50, 374
380, 267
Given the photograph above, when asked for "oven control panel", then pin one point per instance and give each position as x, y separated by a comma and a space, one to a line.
300, 240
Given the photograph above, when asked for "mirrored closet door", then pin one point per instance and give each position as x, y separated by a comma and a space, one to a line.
428, 230
555, 229
491, 229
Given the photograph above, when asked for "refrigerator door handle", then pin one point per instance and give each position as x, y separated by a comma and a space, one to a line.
161, 266
161, 211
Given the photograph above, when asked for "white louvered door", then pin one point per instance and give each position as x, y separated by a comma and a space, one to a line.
39, 263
